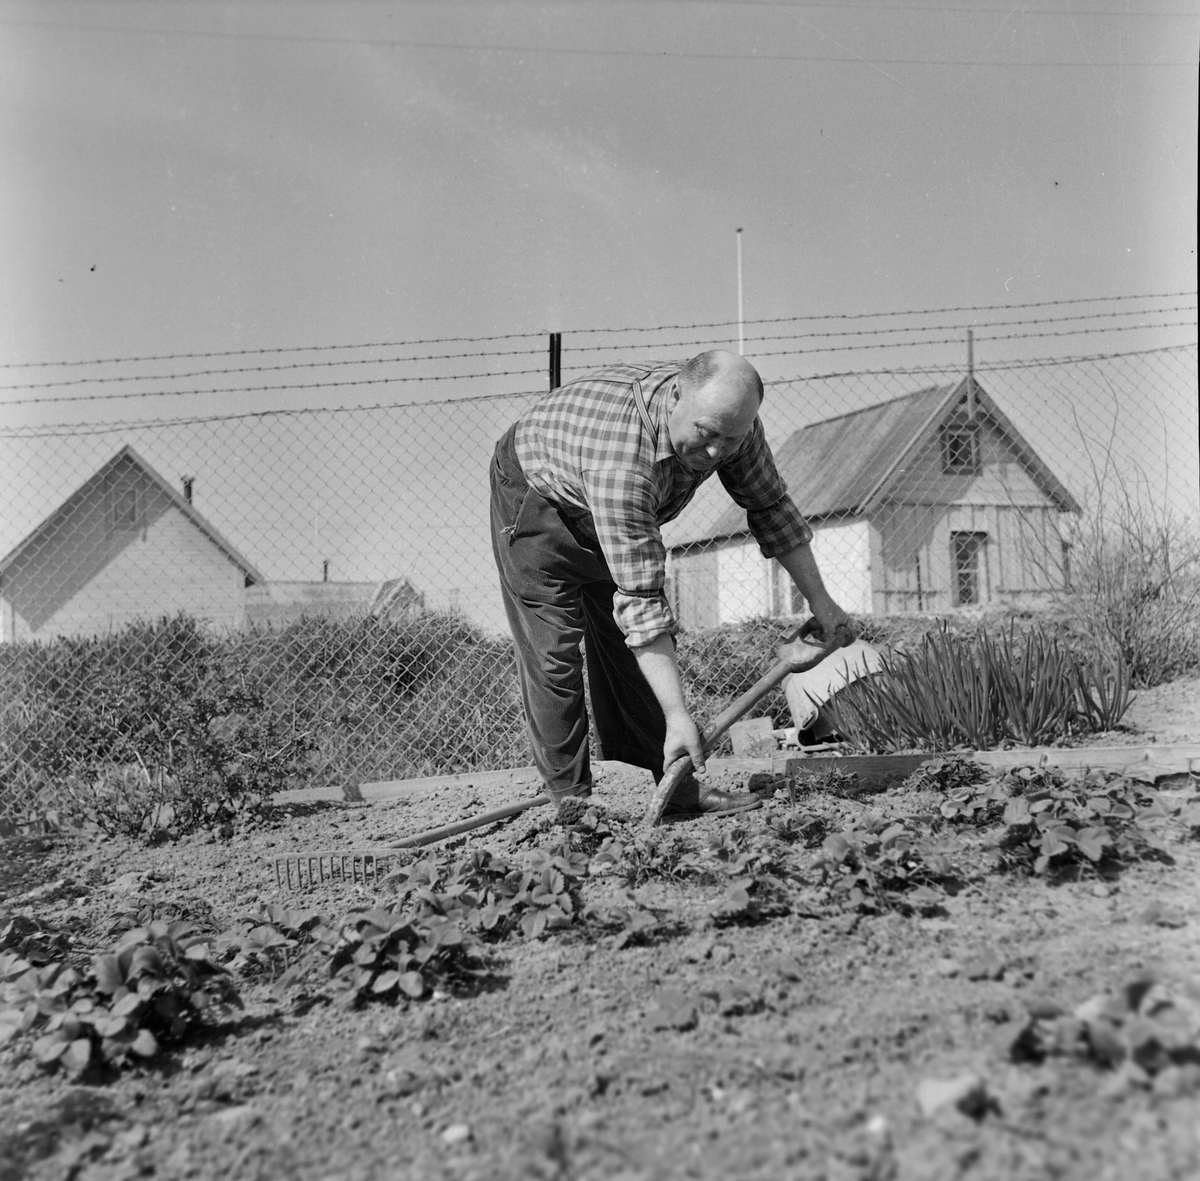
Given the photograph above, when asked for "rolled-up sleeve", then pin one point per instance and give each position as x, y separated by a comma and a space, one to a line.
622, 504
753, 481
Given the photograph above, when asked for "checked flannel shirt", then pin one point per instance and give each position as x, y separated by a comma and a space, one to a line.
584, 448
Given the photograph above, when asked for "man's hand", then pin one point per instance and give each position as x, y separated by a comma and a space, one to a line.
802, 567
683, 738
830, 617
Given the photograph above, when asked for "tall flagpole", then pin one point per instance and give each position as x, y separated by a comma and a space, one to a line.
741, 336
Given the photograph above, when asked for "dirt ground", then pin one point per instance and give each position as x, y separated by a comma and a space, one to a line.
807, 1041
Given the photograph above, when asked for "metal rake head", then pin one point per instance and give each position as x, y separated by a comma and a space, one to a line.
306, 870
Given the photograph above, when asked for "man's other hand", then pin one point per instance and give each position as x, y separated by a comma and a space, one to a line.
683, 738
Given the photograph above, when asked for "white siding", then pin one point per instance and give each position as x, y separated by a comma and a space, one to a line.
843, 553
743, 582
170, 567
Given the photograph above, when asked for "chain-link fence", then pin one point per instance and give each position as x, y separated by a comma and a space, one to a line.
339, 564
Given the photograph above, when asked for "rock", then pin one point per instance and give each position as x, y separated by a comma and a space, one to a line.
457, 1134
966, 1093
242, 1116
987, 966
947, 967
1174, 1081
127, 883
1161, 914
1107, 1046
720, 954
673, 1011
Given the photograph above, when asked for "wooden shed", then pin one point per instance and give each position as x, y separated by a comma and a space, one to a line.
124, 546
926, 503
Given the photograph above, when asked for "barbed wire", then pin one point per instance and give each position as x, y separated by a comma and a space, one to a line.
293, 365
847, 316
70, 429
405, 378
899, 344
259, 389
989, 367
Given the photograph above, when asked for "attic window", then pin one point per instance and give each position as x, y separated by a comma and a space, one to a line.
126, 510
960, 448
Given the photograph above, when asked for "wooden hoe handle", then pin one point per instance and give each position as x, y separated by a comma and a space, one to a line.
771, 679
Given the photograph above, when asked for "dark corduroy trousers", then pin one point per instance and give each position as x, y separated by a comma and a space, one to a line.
558, 592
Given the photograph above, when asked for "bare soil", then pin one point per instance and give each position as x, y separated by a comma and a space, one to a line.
808, 1044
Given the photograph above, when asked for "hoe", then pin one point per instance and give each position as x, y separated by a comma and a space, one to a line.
304, 870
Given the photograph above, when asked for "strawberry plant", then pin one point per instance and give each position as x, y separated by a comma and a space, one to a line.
259, 943
658, 854
150, 991
385, 953
631, 920
885, 865
1051, 822
798, 827
949, 774
33, 940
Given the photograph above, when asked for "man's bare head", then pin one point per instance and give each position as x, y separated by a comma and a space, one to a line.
715, 403
724, 369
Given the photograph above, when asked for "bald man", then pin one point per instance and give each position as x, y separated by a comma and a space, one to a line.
580, 487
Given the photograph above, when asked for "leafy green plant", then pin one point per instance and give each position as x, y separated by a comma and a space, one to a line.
885, 865
631, 921
947, 775
798, 827
981, 691
32, 939
1051, 822
1141, 1030
262, 943
386, 953
149, 991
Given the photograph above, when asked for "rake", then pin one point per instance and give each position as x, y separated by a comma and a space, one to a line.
301, 871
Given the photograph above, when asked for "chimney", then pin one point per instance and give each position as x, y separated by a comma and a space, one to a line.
188, 481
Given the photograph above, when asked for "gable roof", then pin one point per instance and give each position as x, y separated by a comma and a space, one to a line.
844, 466
129, 459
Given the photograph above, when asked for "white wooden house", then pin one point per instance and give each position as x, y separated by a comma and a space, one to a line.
926, 503
124, 546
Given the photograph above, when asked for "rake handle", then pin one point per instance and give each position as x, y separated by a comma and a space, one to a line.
452, 830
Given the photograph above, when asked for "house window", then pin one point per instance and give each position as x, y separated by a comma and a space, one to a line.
960, 448
126, 514
966, 556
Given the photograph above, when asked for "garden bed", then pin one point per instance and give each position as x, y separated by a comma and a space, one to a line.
743, 997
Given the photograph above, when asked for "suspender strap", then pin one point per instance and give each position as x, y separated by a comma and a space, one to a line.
640, 399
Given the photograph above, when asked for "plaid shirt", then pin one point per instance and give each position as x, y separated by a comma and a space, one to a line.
584, 448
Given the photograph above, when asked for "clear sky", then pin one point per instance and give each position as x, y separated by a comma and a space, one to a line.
198, 175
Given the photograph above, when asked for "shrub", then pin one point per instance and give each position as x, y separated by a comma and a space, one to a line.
1135, 584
